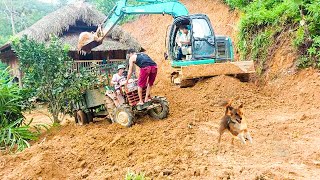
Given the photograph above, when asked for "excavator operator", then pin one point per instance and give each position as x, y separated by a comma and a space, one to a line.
183, 41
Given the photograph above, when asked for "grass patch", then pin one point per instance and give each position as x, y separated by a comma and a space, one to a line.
262, 20
133, 176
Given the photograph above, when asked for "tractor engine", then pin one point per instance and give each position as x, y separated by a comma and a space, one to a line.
132, 93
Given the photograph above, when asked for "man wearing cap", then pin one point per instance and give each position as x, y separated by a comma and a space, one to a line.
116, 82
148, 72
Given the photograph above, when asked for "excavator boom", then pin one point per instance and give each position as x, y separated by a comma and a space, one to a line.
88, 41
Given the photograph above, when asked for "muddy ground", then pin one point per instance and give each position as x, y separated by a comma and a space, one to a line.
283, 116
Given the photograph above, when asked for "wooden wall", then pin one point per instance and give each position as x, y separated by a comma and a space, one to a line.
9, 58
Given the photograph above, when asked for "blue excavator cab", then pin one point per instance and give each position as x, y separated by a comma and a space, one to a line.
202, 37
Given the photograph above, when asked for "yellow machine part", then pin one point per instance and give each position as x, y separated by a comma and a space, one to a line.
185, 76
208, 70
87, 41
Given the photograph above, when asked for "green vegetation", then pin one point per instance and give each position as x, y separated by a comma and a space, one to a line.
238, 3
105, 7
14, 134
48, 72
263, 21
16, 15
133, 176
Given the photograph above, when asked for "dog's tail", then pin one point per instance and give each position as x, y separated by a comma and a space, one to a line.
227, 105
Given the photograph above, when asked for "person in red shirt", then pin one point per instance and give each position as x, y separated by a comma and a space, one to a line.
148, 72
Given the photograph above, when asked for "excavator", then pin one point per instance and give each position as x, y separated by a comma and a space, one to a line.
208, 54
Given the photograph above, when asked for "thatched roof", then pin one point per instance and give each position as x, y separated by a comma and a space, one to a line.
60, 21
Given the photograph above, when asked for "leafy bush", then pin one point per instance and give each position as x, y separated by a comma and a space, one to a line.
10, 106
13, 133
303, 62
48, 71
261, 43
264, 19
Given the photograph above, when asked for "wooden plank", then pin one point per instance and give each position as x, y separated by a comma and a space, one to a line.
208, 70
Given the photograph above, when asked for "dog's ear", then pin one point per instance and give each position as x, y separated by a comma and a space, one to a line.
229, 110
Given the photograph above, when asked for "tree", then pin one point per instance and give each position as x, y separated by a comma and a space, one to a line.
17, 15
48, 71
104, 5
10, 14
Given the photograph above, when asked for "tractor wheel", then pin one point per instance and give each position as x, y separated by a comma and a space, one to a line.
90, 117
161, 111
82, 118
123, 116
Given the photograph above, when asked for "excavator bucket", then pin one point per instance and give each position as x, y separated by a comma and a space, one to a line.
187, 74
87, 41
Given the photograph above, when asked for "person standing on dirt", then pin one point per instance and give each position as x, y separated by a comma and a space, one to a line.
148, 72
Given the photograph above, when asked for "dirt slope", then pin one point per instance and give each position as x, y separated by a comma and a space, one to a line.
283, 117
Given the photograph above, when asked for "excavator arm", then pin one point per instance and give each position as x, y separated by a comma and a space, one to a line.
88, 41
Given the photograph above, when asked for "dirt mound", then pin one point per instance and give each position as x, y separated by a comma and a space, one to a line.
184, 145
283, 120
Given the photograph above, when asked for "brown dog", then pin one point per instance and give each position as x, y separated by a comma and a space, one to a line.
235, 123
